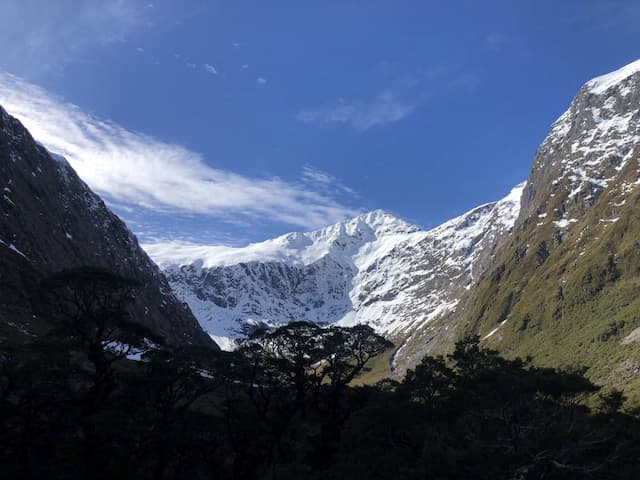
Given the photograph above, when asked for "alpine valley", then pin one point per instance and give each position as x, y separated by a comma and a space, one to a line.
551, 271
370, 342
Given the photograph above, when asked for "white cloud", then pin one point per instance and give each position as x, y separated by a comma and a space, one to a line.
261, 80
137, 169
50, 34
210, 69
386, 108
323, 181
313, 174
190, 65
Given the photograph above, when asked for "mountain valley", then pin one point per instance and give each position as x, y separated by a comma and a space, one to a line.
562, 243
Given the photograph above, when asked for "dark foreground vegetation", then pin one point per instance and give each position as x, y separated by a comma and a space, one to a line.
75, 404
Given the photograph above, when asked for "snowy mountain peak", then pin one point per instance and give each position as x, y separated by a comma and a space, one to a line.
383, 222
374, 224
587, 148
343, 239
603, 83
374, 269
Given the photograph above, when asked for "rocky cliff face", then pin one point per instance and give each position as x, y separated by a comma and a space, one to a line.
50, 220
587, 148
559, 285
564, 286
374, 269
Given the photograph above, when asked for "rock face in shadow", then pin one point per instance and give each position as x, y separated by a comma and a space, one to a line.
50, 221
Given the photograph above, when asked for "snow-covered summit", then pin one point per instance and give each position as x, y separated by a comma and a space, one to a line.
587, 147
379, 222
601, 84
374, 269
297, 249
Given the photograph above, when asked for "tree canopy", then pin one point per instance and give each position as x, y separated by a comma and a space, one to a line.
100, 397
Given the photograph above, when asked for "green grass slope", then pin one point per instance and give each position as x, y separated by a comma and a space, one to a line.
570, 297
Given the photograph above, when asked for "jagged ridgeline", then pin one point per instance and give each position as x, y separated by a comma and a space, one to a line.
552, 271
554, 276
51, 221
374, 269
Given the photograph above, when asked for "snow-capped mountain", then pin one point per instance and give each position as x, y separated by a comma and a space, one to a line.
587, 147
563, 289
423, 289
374, 269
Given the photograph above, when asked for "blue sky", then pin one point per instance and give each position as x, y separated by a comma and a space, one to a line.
235, 121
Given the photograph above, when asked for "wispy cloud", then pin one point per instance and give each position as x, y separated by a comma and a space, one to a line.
210, 69
48, 35
261, 80
405, 94
137, 169
386, 108
315, 175
323, 181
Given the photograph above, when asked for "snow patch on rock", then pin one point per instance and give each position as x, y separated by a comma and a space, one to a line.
600, 85
374, 269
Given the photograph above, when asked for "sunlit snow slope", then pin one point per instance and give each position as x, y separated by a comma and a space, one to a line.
374, 269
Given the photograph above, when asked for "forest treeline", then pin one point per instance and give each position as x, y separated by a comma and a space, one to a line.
100, 397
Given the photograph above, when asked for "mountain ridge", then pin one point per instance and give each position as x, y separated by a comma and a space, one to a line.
288, 247
361, 270
563, 290
558, 247
427, 289
51, 221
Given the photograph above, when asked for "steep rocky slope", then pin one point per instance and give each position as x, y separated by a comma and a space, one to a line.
561, 287
374, 269
50, 220
564, 288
